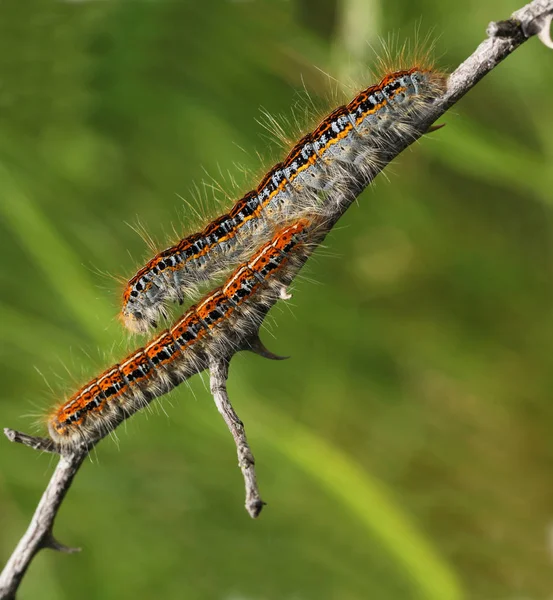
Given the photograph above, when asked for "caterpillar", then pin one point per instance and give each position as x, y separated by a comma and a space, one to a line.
172, 357
351, 139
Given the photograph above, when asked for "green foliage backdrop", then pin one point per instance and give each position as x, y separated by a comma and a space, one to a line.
405, 449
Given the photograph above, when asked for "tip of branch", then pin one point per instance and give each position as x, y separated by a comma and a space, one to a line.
10, 434
53, 544
256, 346
433, 128
37, 443
254, 507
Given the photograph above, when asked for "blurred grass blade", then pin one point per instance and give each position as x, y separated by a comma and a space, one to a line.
366, 498
359, 22
54, 257
471, 150
18, 328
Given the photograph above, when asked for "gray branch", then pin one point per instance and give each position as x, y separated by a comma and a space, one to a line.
39, 533
503, 38
218, 373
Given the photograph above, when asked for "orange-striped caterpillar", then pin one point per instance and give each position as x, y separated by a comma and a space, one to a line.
169, 359
352, 139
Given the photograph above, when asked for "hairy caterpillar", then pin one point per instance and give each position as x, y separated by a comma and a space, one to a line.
153, 370
351, 139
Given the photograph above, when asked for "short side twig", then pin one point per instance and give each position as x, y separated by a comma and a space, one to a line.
36, 443
218, 373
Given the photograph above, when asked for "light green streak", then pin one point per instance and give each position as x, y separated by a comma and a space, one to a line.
365, 497
17, 329
491, 157
54, 257
358, 24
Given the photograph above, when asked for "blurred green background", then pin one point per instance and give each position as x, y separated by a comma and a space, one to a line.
405, 449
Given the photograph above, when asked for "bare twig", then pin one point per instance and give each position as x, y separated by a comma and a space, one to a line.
218, 373
39, 533
36, 443
504, 37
